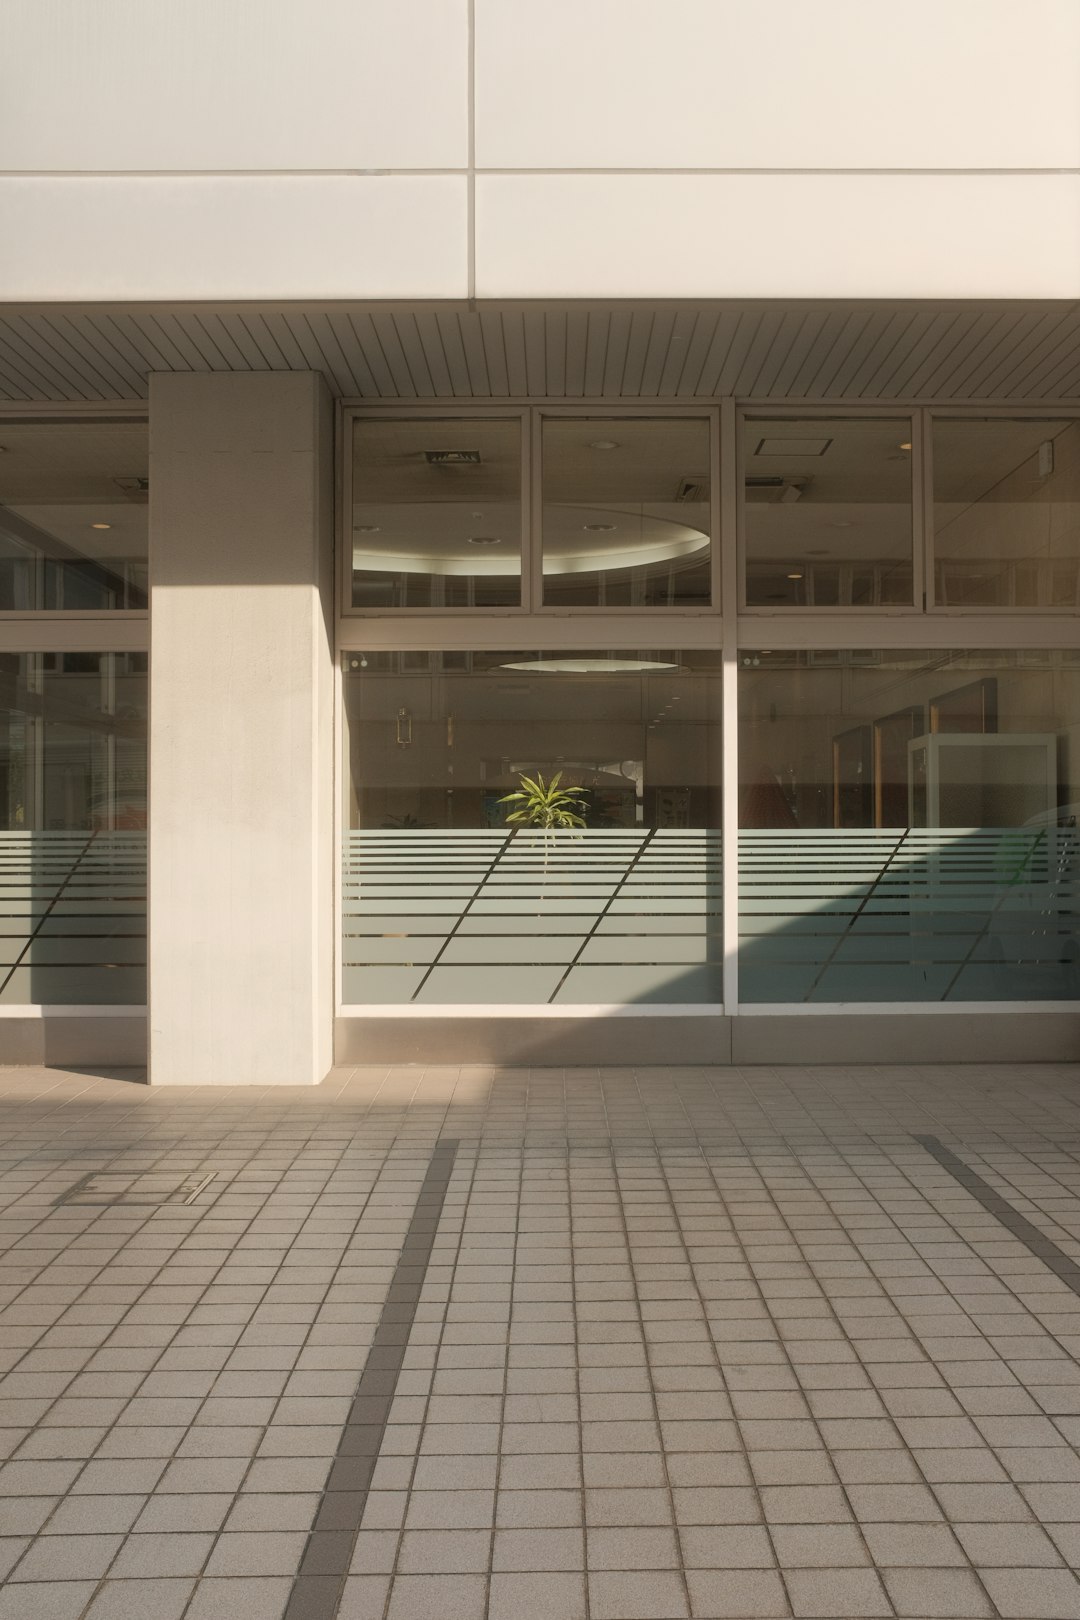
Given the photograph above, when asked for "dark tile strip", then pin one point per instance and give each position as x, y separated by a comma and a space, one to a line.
320, 1580
1042, 1247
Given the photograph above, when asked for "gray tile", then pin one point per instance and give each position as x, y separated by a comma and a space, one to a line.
548, 1596
46, 1600
1026, 1594
239, 1599
141, 1600
66, 1558
619, 1596
742, 1594
939, 1592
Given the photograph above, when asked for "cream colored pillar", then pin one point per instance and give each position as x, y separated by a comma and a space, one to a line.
241, 896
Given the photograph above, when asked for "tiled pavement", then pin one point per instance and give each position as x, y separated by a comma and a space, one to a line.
689, 1342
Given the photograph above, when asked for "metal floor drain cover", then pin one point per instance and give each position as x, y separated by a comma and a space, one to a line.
106, 1187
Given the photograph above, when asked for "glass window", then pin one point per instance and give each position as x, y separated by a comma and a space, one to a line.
456, 893
73, 515
626, 512
1006, 513
436, 513
827, 511
909, 826
73, 827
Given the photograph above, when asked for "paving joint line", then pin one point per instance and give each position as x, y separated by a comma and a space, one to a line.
1036, 1242
319, 1582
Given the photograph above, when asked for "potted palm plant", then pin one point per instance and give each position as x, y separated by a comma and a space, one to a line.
547, 806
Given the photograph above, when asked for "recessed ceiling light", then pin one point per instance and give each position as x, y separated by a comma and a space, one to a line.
101, 525
599, 528
794, 576
905, 446
368, 528
603, 444
484, 540
588, 666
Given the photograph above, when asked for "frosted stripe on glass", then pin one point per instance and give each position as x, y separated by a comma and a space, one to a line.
615, 915
909, 914
73, 918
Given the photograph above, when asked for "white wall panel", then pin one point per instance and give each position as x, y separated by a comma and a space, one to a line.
234, 237
234, 84
778, 236
778, 84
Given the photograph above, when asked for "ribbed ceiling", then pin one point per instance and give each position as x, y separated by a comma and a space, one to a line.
811, 351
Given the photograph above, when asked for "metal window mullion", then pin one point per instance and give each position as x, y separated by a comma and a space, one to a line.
725, 477
532, 512
924, 511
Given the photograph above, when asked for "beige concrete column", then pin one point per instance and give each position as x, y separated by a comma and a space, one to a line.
241, 895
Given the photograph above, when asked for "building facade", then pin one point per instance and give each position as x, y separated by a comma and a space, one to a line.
540, 535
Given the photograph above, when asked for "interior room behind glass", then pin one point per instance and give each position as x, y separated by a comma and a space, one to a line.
73, 515
828, 511
436, 739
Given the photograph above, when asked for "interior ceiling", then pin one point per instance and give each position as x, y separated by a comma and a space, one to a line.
860, 350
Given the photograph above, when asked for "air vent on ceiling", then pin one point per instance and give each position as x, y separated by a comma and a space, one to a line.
693, 489
777, 488
792, 447
452, 458
136, 489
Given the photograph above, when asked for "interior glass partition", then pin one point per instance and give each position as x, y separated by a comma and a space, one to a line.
1006, 512
73, 516
436, 512
626, 512
909, 826
73, 828
827, 511
456, 892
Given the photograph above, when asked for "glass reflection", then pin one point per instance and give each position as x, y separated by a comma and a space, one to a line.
827, 511
626, 512
436, 513
1006, 513
73, 516
447, 900
909, 826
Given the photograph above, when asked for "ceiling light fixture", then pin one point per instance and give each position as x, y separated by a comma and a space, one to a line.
368, 528
905, 446
794, 576
484, 540
101, 525
603, 444
588, 666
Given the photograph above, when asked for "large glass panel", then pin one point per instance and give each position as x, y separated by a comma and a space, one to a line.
1007, 513
909, 826
73, 515
626, 512
827, 511
436, 513
447, 898
73, 827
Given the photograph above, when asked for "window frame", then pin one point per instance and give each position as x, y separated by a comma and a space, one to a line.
102, 630
972, 413
10, 618
532, 417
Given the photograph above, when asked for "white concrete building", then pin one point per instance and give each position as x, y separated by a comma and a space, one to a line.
402, 398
